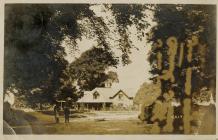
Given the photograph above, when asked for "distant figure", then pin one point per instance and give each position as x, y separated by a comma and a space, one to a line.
56, 113
67, 114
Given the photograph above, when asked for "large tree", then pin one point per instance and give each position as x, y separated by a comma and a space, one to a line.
189, 20
183, 53
34, 57
90, 68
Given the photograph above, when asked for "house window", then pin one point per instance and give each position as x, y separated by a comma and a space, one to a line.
95, 95
120, 96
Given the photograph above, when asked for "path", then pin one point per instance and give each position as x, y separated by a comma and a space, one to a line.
85, 123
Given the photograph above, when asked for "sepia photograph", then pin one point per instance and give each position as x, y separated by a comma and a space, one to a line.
109, 69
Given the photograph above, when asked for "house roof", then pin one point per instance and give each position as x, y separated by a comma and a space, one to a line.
105, 94
121, 91
130, 92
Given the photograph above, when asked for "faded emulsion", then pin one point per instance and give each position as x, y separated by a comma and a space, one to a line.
109, 69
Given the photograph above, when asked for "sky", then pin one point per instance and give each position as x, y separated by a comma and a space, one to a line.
132, 75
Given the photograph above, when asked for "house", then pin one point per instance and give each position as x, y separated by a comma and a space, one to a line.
106, 98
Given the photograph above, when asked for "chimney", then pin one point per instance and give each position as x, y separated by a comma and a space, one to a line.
108, 83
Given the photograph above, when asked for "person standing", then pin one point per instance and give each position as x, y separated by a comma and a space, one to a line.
56, 113
67, 114
67, 110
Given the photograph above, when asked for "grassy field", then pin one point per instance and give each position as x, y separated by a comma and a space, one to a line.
96, 123
80, 125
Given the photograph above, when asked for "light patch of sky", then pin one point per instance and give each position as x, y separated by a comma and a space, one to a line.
83, 45
132, 75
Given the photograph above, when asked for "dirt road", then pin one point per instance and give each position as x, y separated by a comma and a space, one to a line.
85, 123
118, 122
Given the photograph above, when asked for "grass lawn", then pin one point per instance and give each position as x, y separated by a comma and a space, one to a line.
44, 124
96, 123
